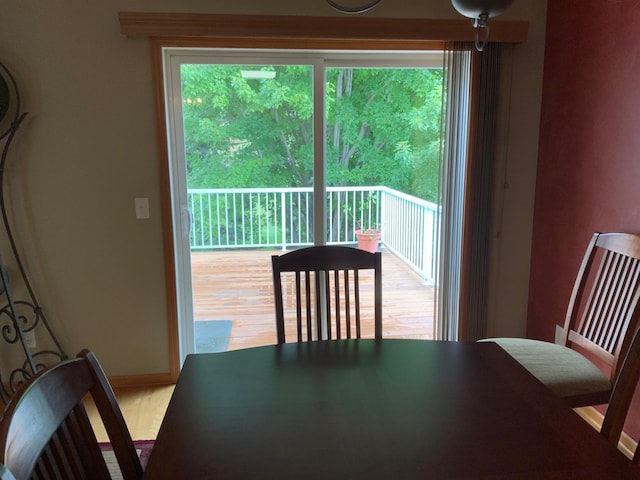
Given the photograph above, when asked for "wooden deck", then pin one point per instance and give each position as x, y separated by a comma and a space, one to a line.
236, 285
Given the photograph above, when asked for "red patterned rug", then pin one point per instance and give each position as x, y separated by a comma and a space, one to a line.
143, 447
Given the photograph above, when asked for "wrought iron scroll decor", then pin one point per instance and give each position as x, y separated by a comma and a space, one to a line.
22, 322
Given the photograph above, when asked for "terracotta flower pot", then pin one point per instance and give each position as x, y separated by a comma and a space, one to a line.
368, 240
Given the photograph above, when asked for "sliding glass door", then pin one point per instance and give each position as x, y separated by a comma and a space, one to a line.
272, 151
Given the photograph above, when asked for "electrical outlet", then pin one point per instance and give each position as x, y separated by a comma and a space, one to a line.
30, 338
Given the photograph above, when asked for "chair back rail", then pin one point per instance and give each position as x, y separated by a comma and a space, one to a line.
327, 285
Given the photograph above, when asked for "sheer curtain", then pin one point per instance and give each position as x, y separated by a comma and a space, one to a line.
453, 155
467, 159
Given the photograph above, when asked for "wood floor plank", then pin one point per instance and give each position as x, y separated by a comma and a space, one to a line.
143, 409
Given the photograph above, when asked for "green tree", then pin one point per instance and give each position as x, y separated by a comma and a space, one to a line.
245, 132
383, 127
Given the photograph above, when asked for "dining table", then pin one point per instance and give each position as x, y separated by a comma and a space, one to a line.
373, 409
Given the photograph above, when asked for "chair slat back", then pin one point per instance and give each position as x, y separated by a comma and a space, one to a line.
45, 431
605, 299
72, 452
322, 288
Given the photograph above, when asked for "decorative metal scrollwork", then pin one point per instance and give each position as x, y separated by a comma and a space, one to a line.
19, 319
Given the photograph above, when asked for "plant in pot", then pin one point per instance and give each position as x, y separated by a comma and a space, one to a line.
368, 239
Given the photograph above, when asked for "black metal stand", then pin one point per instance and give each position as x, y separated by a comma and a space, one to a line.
23, 325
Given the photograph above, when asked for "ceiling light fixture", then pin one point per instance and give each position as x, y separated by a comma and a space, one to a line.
354, 7
481, 11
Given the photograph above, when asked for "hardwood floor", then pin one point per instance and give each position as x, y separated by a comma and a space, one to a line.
143, 409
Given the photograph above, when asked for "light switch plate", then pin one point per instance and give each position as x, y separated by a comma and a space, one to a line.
142, 207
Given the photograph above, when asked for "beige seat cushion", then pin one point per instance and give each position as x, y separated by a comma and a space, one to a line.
565, 371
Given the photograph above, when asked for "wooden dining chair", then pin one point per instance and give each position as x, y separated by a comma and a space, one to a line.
602, 313
322, 288
45, 431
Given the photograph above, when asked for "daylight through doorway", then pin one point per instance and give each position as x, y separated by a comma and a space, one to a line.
272, 152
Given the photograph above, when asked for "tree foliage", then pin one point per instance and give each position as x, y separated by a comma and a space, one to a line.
382, 127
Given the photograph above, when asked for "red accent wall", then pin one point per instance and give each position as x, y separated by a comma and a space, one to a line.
589, 157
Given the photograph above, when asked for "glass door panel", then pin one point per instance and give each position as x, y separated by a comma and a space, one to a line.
382, 160
271, 153
249, 155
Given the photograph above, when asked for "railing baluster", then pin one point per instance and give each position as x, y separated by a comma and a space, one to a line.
338, 216
355, 221
209, 235
244, 231
226, 218
308, 217
283, 220
330, 209
361, 210
299, 204
201, 225
260, 217
192, 230
267, 217
235, 218
219, 223
251, 217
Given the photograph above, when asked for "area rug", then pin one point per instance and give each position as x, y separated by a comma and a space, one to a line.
212, 336
143, 447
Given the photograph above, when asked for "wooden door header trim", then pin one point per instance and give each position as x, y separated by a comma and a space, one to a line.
387, 31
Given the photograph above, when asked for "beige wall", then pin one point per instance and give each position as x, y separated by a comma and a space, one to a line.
88, 148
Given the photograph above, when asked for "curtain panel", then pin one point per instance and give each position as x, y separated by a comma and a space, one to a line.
467, 169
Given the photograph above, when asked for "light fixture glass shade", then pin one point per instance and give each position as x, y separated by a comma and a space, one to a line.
353, 6
476, 8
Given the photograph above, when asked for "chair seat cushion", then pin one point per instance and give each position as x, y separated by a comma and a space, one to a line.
566, 372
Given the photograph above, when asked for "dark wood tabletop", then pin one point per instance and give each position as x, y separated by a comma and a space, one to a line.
374, 409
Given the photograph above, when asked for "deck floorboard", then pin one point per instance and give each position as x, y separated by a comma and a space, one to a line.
236, 285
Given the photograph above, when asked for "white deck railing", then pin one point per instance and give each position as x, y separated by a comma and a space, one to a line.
282, 217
